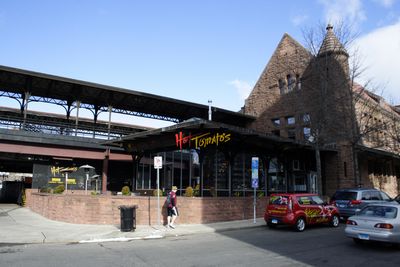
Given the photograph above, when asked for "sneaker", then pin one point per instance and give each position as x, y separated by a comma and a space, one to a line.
172, 226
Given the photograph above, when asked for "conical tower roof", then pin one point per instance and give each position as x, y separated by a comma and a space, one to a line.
331, 44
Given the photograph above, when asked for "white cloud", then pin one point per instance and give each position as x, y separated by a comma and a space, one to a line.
299, 19
385, 3
242, 87
349, 11
380, 51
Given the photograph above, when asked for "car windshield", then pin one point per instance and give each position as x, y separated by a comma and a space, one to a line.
379, 211
345, 195
279, 200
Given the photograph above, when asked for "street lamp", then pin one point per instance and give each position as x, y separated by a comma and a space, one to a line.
86, 168
66, 171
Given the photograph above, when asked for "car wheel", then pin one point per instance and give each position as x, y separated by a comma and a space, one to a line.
335, 221
300, 224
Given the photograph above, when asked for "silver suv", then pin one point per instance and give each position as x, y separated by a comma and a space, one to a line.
353, 199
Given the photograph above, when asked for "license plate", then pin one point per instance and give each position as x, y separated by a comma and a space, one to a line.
342, 206
274, 221
363, 236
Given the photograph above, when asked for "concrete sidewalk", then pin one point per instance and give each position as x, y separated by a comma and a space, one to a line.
19, 225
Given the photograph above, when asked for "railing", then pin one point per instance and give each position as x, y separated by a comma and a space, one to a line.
61, 126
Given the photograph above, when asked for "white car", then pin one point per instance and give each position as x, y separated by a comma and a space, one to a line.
375, 222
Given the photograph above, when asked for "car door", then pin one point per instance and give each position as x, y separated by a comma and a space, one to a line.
311, 209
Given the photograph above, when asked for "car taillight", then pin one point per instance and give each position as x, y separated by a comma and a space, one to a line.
351, 222
355, 202
383, 226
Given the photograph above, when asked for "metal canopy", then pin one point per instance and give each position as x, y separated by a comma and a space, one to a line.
164, 139
65, 92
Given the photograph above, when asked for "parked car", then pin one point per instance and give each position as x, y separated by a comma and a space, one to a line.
299, 210
354, 199
376, 222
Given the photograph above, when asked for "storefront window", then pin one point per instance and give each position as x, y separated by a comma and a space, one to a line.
276, 176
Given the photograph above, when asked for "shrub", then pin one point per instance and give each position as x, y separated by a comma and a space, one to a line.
159, 191
189, 191
125, 190
45, 190
237, 194
59, 189
196, 191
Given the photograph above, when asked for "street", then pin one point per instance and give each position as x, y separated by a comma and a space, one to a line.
316, 246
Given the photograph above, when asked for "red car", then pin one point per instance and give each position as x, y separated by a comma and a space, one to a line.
299, 210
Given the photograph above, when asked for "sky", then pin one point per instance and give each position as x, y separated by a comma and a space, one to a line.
189, 50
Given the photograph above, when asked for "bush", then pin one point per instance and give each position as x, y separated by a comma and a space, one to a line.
45, 190
160, 192
59, 189
189, 191
126, 191
196, 191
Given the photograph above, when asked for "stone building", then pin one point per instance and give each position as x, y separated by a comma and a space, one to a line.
313, 99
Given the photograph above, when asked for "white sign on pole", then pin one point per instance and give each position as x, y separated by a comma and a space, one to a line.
158, 162
158, 166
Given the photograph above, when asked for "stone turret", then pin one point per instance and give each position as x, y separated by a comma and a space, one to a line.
333, 49
331, 44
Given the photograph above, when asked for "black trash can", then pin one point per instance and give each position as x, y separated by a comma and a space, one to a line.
128, 218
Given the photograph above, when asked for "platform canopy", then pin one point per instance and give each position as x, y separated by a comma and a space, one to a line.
97, 97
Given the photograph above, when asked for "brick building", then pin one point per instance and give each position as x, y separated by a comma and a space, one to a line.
313, 99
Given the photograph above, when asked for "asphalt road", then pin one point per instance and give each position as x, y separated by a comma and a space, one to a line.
317, 246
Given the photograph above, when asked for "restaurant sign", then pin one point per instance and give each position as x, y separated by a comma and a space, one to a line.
201, 140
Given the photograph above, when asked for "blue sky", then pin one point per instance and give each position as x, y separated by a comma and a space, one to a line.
189, 50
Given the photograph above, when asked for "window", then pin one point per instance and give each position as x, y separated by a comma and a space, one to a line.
291, 133
290, 120
296, 165
276, 122
306, 133
291, 82
306, 118
298, 82
276, 132
281, 86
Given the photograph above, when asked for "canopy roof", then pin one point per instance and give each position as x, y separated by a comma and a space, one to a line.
50, 88
202, 135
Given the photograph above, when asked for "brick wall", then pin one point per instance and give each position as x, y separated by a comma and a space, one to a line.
103, 209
